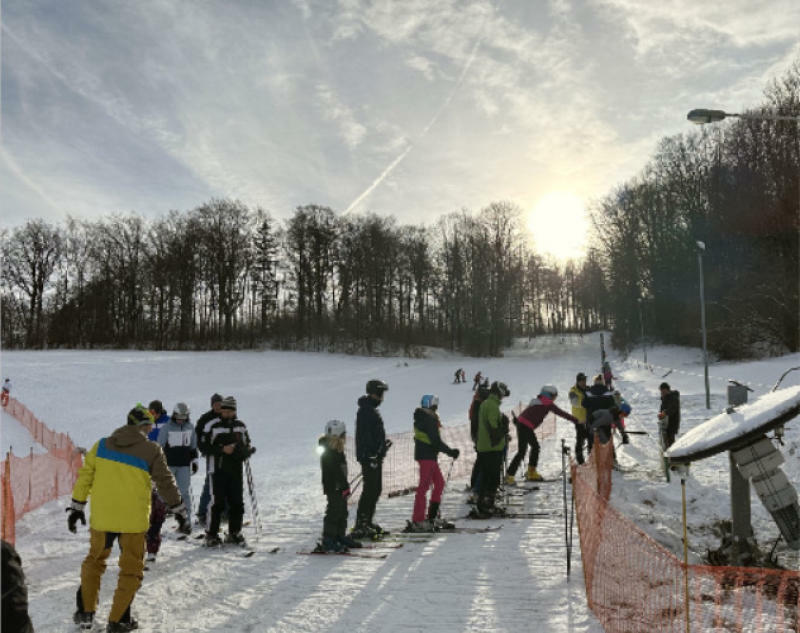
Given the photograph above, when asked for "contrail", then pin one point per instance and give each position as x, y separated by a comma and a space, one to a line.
422, 134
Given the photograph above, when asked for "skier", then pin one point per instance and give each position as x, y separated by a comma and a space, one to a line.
427, 446
527, 422
371, 448
457, 376
476, 381
669, 413
209, 416
576, 395
603, 422
117, 474
227, 444
491, 442
6, 392
158, 509
608, 377
15, 594
474, 410
337, 489
179, 442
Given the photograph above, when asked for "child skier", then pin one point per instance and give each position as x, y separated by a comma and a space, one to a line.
427, 446
337, 489
158, 509
179, 443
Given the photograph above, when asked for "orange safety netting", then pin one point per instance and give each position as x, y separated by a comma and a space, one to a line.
31, 481
634, 584
400, 472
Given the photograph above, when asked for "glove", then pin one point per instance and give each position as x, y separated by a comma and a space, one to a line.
455, 453
75, 514
626, 439
373, 461
387, 445
346, 493
182, 516
195, 466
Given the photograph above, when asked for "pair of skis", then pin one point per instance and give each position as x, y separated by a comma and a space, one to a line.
357, 553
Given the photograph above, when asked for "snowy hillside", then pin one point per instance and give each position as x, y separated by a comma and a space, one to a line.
510, 580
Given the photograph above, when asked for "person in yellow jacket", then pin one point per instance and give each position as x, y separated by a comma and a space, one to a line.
582, 431
118, 473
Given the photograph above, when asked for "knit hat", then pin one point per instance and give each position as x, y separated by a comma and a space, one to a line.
229, 402
215, 398
139, 415
156, 406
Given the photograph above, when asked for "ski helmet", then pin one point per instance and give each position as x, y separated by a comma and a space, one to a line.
376, 387
180, 412
139, 416
500, 389
625, 408
335, 428
429, 401
580, 376
549, 391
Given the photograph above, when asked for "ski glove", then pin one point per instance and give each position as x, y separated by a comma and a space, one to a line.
455, 453
346, 493
373, 461
76, 514
195, 466
182, 516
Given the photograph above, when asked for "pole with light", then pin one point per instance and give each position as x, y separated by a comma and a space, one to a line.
641, 325
704, 115
701, 248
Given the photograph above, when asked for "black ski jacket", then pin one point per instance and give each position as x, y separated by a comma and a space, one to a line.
671, 405
334, 469
427, 440
597, 398
220, 434
370, 434
15, 593
200, 426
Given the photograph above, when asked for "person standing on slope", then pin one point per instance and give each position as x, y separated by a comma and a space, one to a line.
491, 443
527, 422
371, 448
669, 413
6, 392
576, 395
118, 474
212, 415
158, 509
179, 443
427, 446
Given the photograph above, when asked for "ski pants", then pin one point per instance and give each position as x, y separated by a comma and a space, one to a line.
372, 488
475, 478
525, 437
183, 478
205, 497
131, 571
491, 462
582, 434
429, 473
158, 513
334, 525
226, 487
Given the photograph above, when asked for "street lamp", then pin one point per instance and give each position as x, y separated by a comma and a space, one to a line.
641, 325
701, 248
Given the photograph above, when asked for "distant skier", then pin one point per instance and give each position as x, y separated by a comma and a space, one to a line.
158, 509
371, 448
179, 443
670, 413
428, 444
117, 474
457, 379
527, 422
463, 375
212, 415
491, 443
476, 381
227, 444
598, 397
5, 394
608, 377
336, 488
576, 395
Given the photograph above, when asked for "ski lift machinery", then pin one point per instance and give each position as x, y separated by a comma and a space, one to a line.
742, 431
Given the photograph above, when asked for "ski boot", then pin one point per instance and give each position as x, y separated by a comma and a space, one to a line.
438, 522
213, 540
362, 530
330, 545
349, 543
84, 619
235, 539
378, 530
510, 480
122, 626
419, 526
533, 475
151, 557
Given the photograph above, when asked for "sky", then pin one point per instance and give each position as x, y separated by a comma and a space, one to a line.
413, 109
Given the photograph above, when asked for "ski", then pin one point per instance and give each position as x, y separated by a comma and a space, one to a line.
472, 530
351, 553
527, 515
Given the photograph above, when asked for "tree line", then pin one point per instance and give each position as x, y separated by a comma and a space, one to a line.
735, 187
224, 275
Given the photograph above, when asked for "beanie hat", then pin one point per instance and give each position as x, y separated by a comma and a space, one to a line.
215, 398
156, 406
139, 415
229, 402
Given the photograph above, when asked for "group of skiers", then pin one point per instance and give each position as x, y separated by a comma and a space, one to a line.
139, 474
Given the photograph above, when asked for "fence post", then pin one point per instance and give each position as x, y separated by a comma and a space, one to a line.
9, 513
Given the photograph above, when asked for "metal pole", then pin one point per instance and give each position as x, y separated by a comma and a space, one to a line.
641, 324
685, 554
703, 325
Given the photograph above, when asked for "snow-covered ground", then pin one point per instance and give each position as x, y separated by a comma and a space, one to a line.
510, 580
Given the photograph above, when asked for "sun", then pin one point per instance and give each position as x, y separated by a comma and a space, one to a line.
559, 225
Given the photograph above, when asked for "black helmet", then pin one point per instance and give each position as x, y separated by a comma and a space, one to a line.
500, 389
376, 387
580, 376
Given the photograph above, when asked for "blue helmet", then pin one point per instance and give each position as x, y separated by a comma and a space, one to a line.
625, 408
429, 401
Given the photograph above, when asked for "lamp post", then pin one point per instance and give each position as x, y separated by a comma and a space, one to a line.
703, 115
641, 325
701, 248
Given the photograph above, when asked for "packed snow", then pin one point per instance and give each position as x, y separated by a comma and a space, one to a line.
509, 580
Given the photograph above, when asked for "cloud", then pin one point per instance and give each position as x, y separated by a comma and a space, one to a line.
351, 131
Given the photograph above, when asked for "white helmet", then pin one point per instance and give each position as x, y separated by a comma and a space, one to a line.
429, 401
335, 428
181, 411
550, 391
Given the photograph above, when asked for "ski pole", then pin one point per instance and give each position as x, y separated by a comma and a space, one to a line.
253, 501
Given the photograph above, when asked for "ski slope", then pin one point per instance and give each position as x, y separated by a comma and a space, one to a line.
510, 580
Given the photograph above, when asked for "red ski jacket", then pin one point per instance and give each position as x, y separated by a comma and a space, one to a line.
538, 408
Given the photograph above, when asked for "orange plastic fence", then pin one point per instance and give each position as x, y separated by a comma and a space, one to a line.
400, 471
31, 481
634, 584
